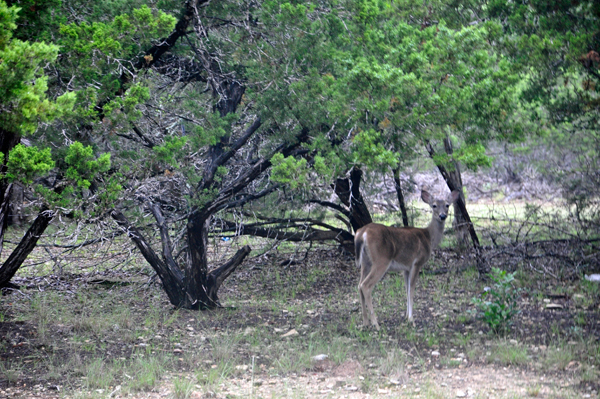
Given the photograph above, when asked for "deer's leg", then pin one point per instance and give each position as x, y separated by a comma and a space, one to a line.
414, 275
407, 287
365, 269
366, 289
363, 307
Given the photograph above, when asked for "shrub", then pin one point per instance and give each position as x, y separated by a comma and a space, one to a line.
498, 304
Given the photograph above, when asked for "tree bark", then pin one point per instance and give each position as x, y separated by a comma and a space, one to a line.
461, 204
460, 224
400, 196
171, 278
463, 210
309, 234
4, 208
197, 284
25, 246
348, 191
217, 276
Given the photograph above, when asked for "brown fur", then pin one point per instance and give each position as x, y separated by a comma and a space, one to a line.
380, 249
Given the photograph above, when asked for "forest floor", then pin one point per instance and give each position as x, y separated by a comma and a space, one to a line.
293, 330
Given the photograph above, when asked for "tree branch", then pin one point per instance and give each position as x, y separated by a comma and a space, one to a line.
164, 236
208, 179
4, 214
332, 205
26, 245
172, 278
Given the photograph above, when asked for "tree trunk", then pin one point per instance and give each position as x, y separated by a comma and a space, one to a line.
171, 278
348, 191
463, 210
198, 288
460, 224
5, 192
25, 246
197, 284
400, 196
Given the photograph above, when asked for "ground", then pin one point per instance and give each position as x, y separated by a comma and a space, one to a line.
114, 334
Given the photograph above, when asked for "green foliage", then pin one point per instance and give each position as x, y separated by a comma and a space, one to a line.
125, 106
83, 165
25, 163
23, 85
96, 50
171, 150
289, 170
370, 151
498, 304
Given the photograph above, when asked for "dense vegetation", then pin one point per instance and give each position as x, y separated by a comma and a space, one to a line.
179, 123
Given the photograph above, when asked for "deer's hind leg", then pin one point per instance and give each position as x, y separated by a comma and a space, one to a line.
365, 269
368, 281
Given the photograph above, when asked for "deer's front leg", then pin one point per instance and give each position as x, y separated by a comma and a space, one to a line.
413, 275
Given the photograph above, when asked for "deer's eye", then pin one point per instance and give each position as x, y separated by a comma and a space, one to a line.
447, 206
434, 206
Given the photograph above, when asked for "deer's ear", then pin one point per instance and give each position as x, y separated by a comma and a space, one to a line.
425, 196
454, 195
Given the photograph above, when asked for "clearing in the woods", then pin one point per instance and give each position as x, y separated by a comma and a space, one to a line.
292, 329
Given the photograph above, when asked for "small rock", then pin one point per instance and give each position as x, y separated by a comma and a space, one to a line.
242, 367
278, 330
351, 388
461, 394
290, 333
573, 365
514, 342
394, 382
554, 306
320, 357
435, 353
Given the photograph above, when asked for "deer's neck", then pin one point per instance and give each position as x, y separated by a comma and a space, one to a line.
436, 232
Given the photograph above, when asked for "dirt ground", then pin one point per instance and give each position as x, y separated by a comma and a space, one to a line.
53, 329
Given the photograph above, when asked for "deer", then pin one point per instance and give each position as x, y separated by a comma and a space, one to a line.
380, 249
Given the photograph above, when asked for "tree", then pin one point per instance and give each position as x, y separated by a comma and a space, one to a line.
23, 105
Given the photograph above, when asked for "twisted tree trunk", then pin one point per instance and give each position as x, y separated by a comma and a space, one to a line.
400, 196
348, 191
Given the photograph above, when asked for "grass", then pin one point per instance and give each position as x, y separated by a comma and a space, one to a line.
509, 354
182, 388
99, 337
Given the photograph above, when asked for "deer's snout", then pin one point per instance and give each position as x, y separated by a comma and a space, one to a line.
443, 216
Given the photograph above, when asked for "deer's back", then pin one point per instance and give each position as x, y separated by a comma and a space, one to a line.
403, 245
